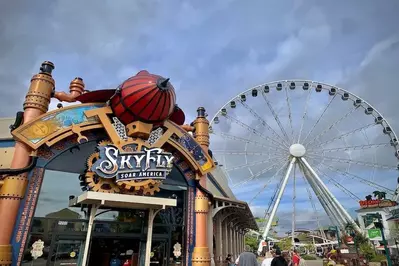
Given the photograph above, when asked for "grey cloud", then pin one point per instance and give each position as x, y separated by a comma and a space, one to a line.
210, 52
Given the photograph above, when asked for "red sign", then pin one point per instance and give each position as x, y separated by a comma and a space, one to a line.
376, 203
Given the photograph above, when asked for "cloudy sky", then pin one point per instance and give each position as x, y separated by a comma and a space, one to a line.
211, 50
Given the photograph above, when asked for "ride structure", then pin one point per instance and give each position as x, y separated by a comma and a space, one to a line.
320, 137
123, 144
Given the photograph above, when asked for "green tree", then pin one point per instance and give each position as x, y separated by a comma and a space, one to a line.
252, 241
285, 244
367, 251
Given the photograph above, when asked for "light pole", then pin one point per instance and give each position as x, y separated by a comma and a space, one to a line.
380, 226
335, 228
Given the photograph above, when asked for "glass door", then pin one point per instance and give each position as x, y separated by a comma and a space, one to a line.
159, 257
66, 252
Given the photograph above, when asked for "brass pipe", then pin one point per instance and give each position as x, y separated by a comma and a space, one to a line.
13, 189
201, 254
76, 88
188, 128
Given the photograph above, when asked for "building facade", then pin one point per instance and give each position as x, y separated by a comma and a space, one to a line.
118, 175
388, 215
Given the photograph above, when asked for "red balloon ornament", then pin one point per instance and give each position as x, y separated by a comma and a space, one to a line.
145, 97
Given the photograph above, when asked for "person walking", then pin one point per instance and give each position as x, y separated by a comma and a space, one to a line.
269, 258
295, 258
229, 260
279, 260
247, 258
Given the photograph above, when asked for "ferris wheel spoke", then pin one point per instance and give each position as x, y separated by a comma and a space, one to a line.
276, 117
332, 125
349, 161
320, 117
352, 148
330, 195
374, 155
345, 135
254, 131
305, 112
263, 122
255, 163
268, 182
360, 179
287, 99
279, 196
261, 172
337, 185
254, 142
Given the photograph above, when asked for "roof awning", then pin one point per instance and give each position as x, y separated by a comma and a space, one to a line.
237, 207
121, 201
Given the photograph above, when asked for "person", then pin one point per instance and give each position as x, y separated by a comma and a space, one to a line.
295, 258
229, 260
115, 261
247, 258
269, 257
279, 260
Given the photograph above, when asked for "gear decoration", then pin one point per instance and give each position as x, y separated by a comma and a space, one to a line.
141, 187
93, 181
108, 185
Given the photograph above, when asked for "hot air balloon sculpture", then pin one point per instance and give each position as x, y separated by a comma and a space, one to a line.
145, 97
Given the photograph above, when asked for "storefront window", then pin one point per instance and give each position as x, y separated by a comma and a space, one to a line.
116, 232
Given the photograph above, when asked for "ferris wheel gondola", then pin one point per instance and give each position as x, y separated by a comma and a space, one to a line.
330, 143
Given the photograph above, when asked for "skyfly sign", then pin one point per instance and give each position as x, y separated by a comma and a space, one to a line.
152, 163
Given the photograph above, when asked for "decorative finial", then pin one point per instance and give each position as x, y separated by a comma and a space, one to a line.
165, 82
162, 83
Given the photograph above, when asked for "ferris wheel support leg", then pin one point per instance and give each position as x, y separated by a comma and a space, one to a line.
340, 208
334, 216
325, 203
278, 199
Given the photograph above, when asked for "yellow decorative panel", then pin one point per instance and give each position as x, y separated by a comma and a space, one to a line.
6, 155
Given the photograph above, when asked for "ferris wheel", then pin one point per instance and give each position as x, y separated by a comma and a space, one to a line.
305, 152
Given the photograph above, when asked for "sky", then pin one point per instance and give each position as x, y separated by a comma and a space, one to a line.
211, 50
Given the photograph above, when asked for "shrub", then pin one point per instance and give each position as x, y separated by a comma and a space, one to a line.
378, 258
309, 257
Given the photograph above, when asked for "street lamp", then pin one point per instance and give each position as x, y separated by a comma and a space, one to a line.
380, 226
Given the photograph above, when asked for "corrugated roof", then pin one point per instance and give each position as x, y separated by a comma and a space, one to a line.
5, 128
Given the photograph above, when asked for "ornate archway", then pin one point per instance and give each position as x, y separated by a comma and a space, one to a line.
41, 139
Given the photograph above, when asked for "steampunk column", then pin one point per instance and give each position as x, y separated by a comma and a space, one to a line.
201, 255
37, 101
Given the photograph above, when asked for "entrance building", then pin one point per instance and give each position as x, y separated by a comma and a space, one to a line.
117, 176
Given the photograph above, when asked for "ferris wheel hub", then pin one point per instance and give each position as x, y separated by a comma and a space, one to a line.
297, 150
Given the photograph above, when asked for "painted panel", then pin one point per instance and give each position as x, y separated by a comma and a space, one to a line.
54, 123
196, 151
6, 155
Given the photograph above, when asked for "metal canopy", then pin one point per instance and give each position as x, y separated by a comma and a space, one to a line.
98, 199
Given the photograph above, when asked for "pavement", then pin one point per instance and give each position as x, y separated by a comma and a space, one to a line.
314, 263
309, 263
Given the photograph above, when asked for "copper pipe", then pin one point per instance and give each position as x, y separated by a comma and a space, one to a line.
76, 88
201, 254
13, 187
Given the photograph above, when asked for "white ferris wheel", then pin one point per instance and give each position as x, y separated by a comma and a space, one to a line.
297, 148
